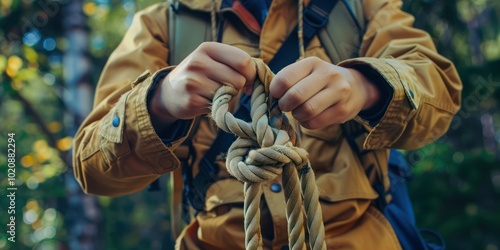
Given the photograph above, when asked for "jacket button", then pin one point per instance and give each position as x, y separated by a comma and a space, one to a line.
275, 187
116, 121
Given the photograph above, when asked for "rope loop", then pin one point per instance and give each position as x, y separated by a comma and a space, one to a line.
260, 151
266, 148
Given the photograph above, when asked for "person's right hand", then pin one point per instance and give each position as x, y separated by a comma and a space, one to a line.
188, 90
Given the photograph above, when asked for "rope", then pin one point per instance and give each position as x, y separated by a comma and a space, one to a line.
262, 152
300, 31
213, 20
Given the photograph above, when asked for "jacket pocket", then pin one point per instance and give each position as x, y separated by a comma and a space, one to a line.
112, 125
111, 130
346, 178
221, 225
340, 174
345, 191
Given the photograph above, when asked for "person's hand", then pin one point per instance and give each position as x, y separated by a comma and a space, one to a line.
188, 90
319, 93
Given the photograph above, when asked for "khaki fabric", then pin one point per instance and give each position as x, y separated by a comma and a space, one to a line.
119, 160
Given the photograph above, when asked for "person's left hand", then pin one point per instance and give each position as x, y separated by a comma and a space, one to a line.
319, 93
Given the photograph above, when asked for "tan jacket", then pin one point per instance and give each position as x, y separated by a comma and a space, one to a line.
127, 156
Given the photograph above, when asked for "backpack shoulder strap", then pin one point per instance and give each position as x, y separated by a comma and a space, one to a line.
341, 37
187, 29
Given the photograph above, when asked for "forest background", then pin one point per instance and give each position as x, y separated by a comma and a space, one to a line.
51, 55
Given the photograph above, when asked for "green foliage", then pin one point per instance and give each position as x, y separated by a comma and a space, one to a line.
458, 194
32, 43
456, 188
137, 221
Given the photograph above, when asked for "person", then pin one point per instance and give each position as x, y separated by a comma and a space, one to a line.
399, 89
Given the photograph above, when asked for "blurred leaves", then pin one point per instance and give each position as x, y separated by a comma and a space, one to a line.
455, 188
32, 44
456, 194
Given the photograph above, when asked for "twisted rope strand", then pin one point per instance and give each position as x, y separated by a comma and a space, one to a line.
300, 31
262, 153
313, 210
253, 236
295, 217
213, 20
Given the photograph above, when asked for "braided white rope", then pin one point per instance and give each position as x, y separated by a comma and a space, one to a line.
262, 153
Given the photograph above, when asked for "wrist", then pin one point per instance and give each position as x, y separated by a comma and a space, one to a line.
371, 90
160, 116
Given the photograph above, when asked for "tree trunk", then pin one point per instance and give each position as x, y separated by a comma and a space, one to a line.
83, 215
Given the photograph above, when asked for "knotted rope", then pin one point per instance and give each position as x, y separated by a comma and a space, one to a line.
264, 150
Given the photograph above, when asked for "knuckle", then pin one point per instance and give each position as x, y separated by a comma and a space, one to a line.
345, 88
282, 81
304, 112
308, 110
190, 85
204, 46
237, 81
313, 60
310, 124
342, 111
331, 74
294, 98
244, 63
240, 81
194, 64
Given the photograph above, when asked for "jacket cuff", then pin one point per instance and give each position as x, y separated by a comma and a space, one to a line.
177, 130
401, 107
133, 122
375, 113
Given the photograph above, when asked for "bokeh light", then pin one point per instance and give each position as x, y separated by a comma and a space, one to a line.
31, 38
49, 44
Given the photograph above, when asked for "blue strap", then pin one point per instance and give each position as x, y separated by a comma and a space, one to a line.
400, 211
399, 171
315, 17
408, 234
439, 243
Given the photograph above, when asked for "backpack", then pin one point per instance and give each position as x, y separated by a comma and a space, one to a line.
350, 22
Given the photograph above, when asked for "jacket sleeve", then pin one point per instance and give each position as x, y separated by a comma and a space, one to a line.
116, 150
426, 86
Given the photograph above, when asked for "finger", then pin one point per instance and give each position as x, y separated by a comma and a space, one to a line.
248, 89
199, 105
224, 74
336, 91
208, 89
289, 76
193, 83
321, 120
336, 114
233, 57
301, 92
315, 105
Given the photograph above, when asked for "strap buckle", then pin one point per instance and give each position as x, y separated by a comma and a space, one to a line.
315, 17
